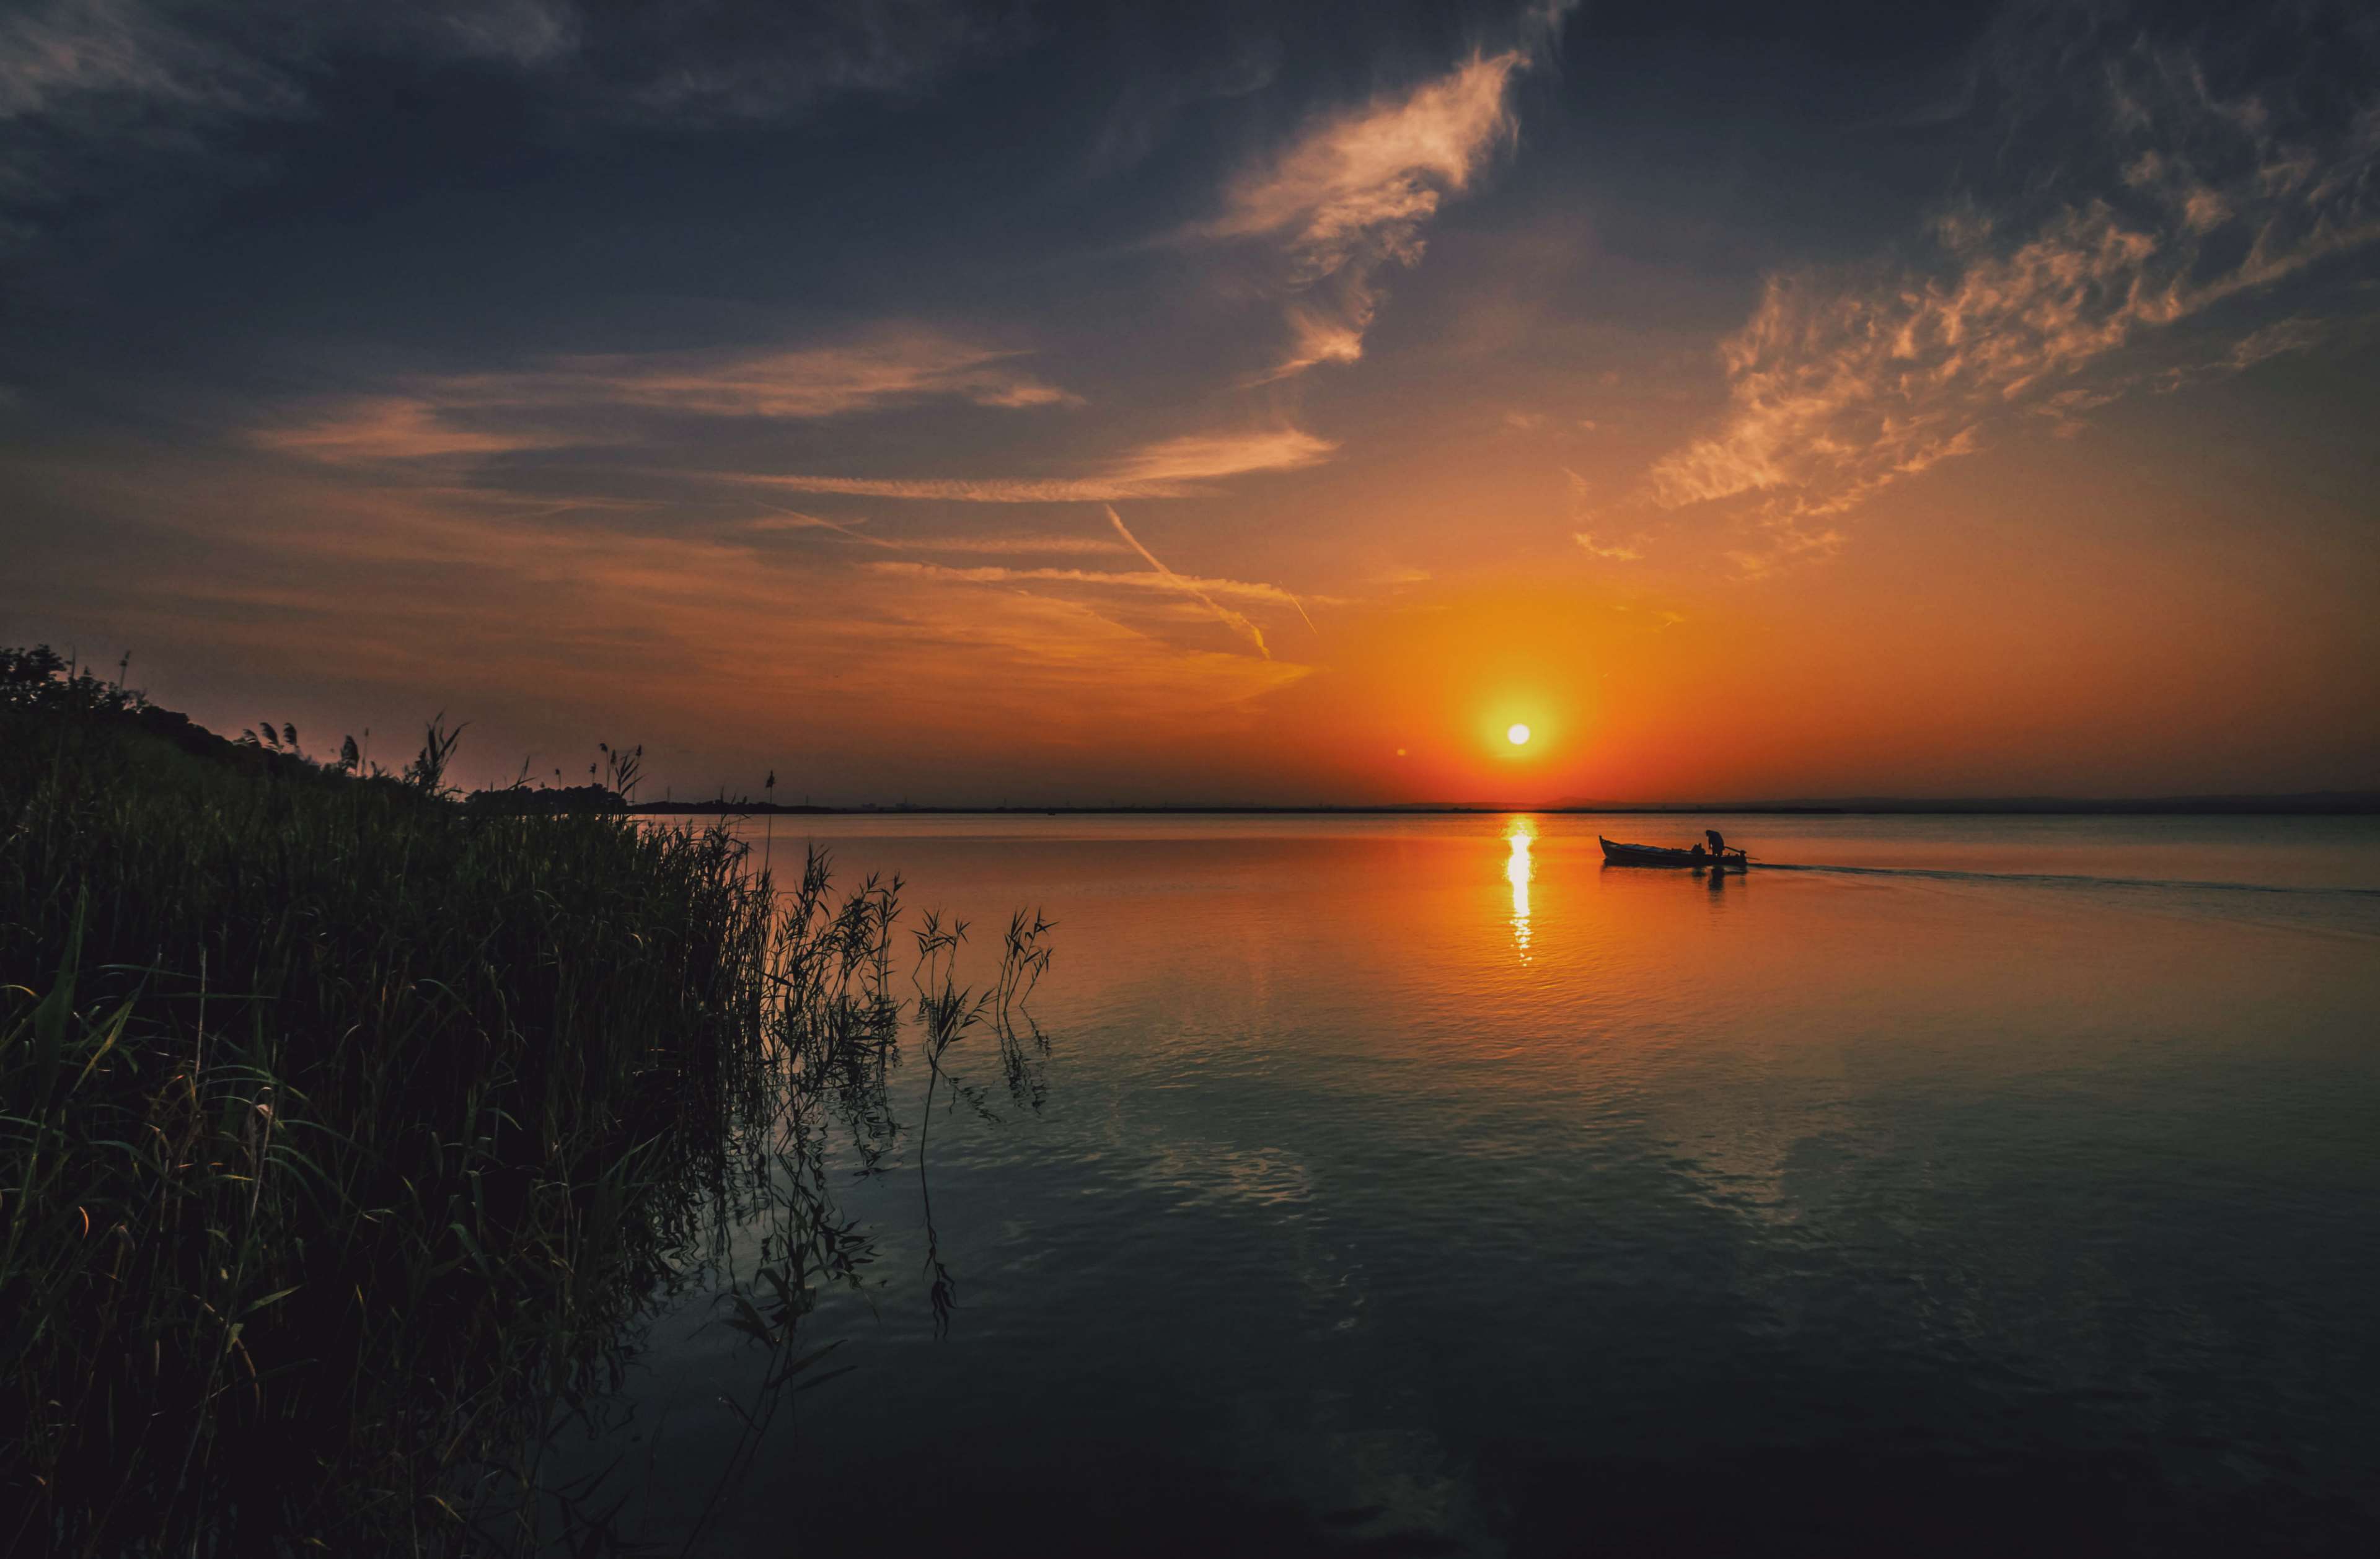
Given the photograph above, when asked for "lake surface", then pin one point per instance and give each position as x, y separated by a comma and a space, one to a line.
1421, 1185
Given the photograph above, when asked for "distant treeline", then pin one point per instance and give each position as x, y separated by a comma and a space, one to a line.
523, 801
725, 804
41, 680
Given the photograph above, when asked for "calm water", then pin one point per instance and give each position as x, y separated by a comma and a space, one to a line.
1422, 1185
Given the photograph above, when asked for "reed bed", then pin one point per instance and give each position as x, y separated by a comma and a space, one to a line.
345, 1130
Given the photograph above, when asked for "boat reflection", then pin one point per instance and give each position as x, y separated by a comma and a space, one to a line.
1520, 835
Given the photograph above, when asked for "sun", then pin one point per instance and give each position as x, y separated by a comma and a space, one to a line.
1518, 736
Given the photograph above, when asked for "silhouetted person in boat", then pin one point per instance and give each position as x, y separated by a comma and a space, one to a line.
1697, 856
1718, 845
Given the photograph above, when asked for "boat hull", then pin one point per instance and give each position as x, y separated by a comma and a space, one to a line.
1662, 855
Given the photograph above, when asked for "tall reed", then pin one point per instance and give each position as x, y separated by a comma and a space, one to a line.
343, 1129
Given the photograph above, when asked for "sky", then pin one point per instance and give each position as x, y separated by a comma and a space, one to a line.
1009, 401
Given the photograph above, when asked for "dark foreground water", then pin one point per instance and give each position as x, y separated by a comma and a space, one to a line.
1422, 1185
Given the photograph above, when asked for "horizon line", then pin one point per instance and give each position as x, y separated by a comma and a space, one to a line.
2250, 804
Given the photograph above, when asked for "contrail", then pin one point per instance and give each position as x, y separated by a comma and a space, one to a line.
1230, 619
813, 521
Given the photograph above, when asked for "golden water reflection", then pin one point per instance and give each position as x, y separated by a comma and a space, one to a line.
1520, 835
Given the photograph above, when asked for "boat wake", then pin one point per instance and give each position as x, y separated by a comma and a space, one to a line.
2068, 879
2353, 910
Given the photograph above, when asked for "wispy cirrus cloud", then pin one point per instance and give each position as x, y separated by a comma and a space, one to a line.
805, 383
574, 400
89, 88
59, 56
995, 546
371, 429
69, 58
2281, 339
1349, 198
1177, 468
420, 585
1845, 381
1582, 509
767, 62
1161, 580
1610, 551
1208, 593
85, 82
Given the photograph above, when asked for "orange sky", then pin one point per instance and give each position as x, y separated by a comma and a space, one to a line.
1285, 446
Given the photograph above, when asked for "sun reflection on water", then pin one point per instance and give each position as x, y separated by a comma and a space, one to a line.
1520, 835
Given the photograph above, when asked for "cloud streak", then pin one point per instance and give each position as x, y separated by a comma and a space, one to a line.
997, 546
417, 586
1350, 197
82, 80
810, 383
1224, 614
81, 62
1044, 545
1581, 508
1175, 467
1159, 579
372, 429
576, 401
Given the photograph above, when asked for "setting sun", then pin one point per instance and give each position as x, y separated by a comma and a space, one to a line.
1518, 735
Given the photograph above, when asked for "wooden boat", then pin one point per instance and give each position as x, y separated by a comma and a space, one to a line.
1662, 855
